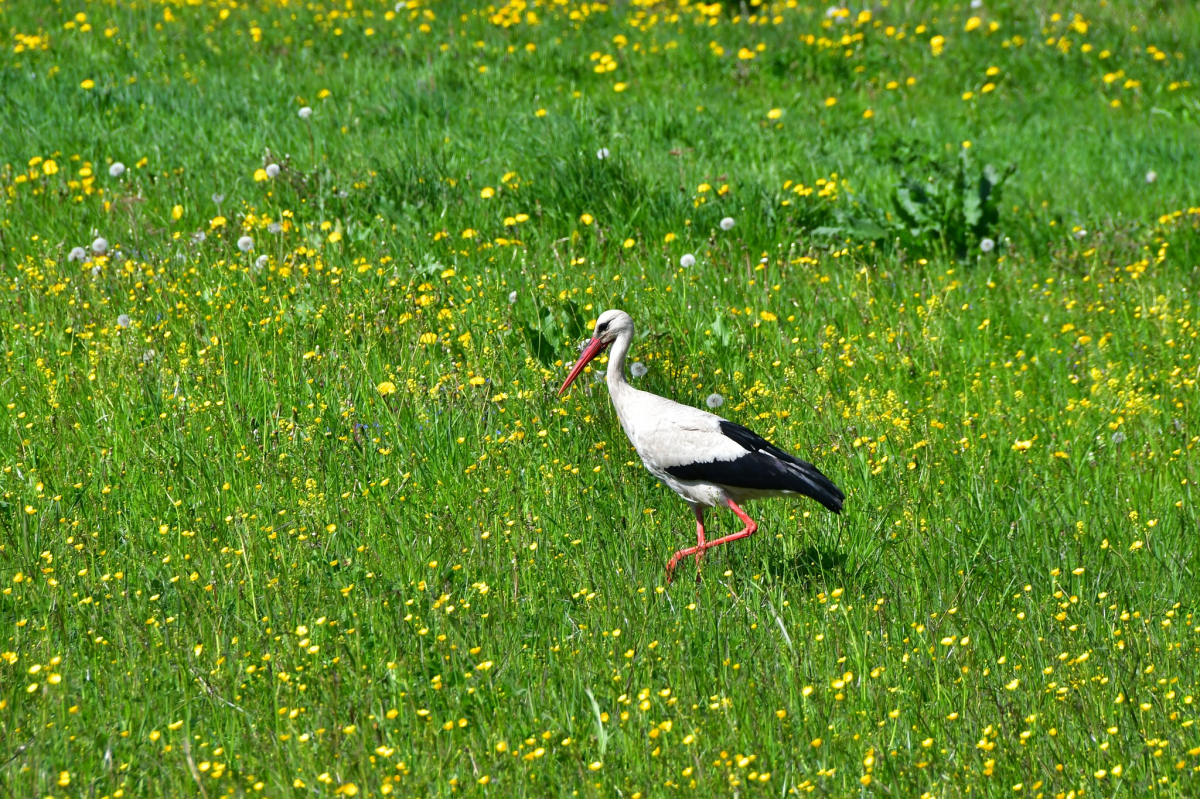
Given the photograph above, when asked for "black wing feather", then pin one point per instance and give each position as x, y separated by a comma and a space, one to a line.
764, 467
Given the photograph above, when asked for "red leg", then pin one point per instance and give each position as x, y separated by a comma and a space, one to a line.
751, 527
697, 550
702, 545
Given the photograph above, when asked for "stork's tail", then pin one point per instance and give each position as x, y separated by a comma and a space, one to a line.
809, 481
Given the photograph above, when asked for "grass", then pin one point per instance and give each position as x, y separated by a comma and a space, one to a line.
310, 519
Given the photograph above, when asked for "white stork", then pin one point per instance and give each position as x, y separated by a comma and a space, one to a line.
706, 460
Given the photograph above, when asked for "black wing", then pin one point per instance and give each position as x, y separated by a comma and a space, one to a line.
764, 467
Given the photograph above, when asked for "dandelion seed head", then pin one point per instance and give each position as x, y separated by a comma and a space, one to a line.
1151, 176
275, 227
77, 254
116, 169
687, 260
100, 245
1081, 234
512, 297
262, 261
245, 244
727, 223
272, 170
199, 236
987, 245
714, 400
305, 112
602, 153
638, 369
123, 320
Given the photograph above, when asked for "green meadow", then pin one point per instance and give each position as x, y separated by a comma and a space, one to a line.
289, 505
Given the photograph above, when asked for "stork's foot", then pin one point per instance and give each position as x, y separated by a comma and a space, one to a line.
702, 545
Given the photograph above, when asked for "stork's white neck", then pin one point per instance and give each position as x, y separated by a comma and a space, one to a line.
616, 366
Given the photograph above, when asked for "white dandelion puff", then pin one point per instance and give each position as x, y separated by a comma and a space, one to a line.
116, 170
1151, 176
305, 112
245, 244
1081, 234
199, 236
272, 170
976, 5
275, 227
262, 261
602, 153
727, 223
987, 245
77, 254
512, 297
100, 245
687, 260
638, 369
96, 271
714, 400
123, 320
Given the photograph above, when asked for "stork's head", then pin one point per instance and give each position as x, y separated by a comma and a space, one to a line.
609, 326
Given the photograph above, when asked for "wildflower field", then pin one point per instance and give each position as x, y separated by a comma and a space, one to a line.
289, 505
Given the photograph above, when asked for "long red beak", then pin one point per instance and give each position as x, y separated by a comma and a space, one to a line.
593, 348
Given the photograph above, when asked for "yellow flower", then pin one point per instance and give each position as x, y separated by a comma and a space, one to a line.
541, 112
487, 193
868, 114
1012, 686
469, 233
260, 175
595, 765
619, 87
767, 316
629, 243
177, 212
88, 84
428, 338
830, 102
586, 219
50, 167
216, 222
335, 236
774, 113
386, 387
349, 789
